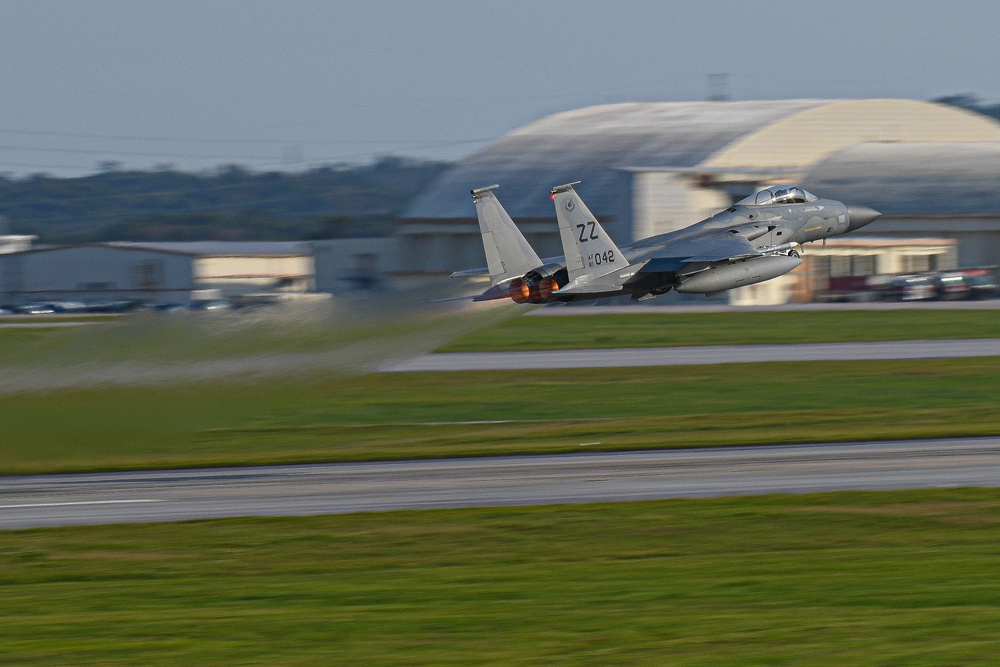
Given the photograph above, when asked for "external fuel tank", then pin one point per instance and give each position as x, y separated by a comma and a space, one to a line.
738, 274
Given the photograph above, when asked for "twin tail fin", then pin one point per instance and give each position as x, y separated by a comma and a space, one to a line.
508, 254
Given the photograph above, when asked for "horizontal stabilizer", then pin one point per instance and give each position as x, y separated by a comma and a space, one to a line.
481, 271
493, 293
593, 287
470, 297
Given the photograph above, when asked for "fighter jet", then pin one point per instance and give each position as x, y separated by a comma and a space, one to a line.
756, 239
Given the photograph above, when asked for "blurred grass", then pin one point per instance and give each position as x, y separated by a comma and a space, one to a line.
739, 328
829, 579
327, 417
155, 337
42, 320
385, 325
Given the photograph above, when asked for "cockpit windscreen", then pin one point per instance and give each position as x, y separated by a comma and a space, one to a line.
778, 194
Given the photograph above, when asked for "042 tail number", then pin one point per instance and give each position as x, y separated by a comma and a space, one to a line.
599, 258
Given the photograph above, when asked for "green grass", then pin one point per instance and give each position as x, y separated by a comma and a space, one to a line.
833, 579
328, 414
770, 328
345, 418
43, 320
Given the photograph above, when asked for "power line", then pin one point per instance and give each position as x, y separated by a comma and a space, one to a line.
252, 162
194, 140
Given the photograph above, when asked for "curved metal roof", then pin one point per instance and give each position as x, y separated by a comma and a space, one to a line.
221, 248
922, 178
594, 145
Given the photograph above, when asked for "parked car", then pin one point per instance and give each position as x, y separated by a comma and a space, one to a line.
914, 287
968, 284
112, 307
169, 308
211, 304
35, 309
67, 306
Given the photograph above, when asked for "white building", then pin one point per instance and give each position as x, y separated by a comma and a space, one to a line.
345, 266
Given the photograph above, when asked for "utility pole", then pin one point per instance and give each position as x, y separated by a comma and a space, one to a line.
718, 87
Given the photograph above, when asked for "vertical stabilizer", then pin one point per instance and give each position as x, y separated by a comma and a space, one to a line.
508, 254
590, 252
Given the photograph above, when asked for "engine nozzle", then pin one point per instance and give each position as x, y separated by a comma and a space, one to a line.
519, 291
537, 286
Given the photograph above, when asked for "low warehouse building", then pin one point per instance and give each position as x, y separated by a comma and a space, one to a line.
96, 273
846, 264
154, 273
245, 267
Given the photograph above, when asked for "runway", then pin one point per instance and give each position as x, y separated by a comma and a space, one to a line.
696, 355
653, 308
164, 495
4, 324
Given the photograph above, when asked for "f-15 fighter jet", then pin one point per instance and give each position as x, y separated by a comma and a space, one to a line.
756, 239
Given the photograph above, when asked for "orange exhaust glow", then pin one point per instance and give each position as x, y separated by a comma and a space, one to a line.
519, 291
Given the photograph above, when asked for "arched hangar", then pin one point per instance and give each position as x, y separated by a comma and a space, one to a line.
945, 190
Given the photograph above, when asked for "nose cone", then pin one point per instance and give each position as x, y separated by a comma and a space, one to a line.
859, 216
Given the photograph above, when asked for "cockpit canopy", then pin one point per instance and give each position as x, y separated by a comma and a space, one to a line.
778, 194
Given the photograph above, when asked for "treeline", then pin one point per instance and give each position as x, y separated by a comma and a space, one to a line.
231, 203
972, 103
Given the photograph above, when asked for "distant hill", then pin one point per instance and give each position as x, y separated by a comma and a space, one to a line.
231, 203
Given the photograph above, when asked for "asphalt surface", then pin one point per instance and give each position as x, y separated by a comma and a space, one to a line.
44, 324
103, 498
696, 355
598, 308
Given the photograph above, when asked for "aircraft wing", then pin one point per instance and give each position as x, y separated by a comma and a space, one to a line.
708, 248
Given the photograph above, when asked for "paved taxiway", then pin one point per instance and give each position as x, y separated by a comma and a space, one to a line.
597, 308
43, 325
696, 355
99, 498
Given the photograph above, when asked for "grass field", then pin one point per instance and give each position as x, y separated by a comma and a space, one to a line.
108, 401
731, 328
847, 578
344, 418
901, 578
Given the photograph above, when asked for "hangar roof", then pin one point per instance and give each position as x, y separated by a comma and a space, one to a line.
925, 178
590, 145
596, 145
222, 248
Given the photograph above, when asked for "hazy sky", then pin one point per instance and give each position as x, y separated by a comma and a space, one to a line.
293, 84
